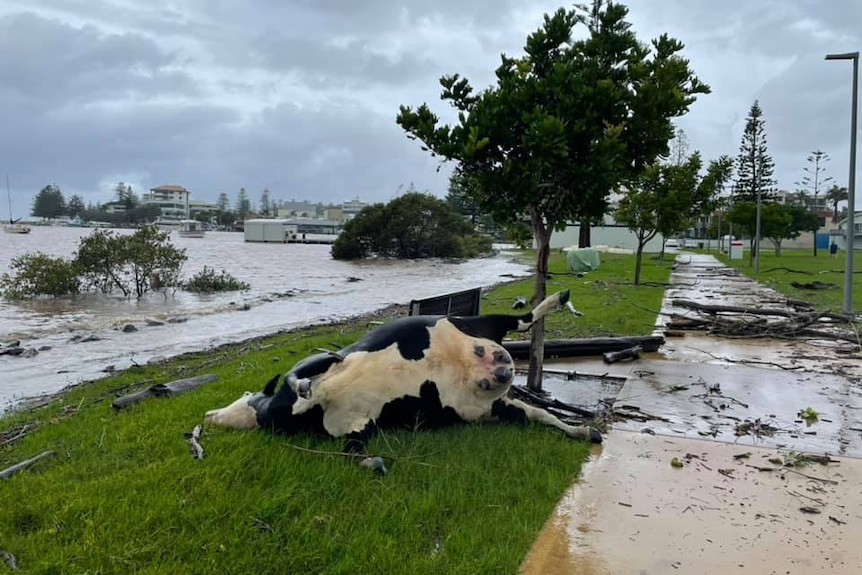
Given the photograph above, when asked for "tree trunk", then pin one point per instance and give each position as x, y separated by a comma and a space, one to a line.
584, 236
638, 259
542, 233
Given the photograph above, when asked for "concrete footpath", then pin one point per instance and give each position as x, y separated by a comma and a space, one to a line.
716, 471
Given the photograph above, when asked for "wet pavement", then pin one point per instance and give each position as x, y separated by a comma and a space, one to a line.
704, 400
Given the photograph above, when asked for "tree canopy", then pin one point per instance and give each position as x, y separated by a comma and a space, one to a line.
414, 225
665, 198
564, 125
49, 203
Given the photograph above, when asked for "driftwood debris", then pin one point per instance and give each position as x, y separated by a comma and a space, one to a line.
633, 352
195, 442
815, 285
753, 322
546, 402
9, 560
10, 471
171, 389
584, 347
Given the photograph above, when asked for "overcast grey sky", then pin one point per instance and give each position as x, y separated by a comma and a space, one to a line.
300, 96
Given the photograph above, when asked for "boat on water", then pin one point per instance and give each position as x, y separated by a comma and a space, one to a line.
190, 229
13, 227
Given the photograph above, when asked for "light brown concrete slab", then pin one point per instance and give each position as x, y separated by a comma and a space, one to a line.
634, 513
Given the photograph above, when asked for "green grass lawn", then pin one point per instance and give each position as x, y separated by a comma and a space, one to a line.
124, 495
803, 267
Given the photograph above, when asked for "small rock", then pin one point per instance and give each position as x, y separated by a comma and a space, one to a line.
178, 320
129, 328
154, 322
109, 369
375, 463
80, 338
30, 352
45, 348
245, 307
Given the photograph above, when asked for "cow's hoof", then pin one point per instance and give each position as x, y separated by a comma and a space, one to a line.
374, 463
595, 436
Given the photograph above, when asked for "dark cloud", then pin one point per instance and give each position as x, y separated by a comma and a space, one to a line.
300, 96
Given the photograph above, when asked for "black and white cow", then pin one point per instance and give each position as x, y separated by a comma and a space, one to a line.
419, 372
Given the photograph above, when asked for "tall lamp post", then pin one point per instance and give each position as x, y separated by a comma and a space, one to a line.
851, 185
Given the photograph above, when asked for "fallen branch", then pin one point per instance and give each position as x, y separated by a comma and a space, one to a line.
533, 398
10, 471
633, 352
788, 270
194, 442
747, 361
584, 347
171, 389
14, 434
790, 470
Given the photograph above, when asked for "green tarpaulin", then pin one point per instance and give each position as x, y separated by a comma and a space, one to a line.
583, 259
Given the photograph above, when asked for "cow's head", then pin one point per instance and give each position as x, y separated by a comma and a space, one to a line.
493, 367
243, 413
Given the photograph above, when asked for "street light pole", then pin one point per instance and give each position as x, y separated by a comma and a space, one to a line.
851, 184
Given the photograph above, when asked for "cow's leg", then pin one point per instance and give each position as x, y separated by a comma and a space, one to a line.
356, 429
299, 378
516, 411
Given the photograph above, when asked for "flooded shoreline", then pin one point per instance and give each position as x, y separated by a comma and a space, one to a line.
292, 286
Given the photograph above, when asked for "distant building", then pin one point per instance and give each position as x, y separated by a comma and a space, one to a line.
335, 214
171, 200
351, 208
294, 209
114, 208
841, 240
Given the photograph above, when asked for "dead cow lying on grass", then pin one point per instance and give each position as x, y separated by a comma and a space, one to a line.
420, 372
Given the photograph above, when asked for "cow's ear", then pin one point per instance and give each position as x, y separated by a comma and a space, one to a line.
269, 389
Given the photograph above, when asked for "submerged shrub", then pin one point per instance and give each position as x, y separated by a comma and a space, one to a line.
207, 281
135, 264
39, 274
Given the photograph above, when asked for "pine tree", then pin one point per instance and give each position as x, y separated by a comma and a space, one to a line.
754, 165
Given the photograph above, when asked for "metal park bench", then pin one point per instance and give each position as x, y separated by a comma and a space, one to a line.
457, 303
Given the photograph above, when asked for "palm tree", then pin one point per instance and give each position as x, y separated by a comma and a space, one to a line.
833, 196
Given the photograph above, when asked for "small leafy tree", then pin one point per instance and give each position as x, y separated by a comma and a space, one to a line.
414, 225
778, 221
39, 275
562, 127
207, 281
135, 264
665, 198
